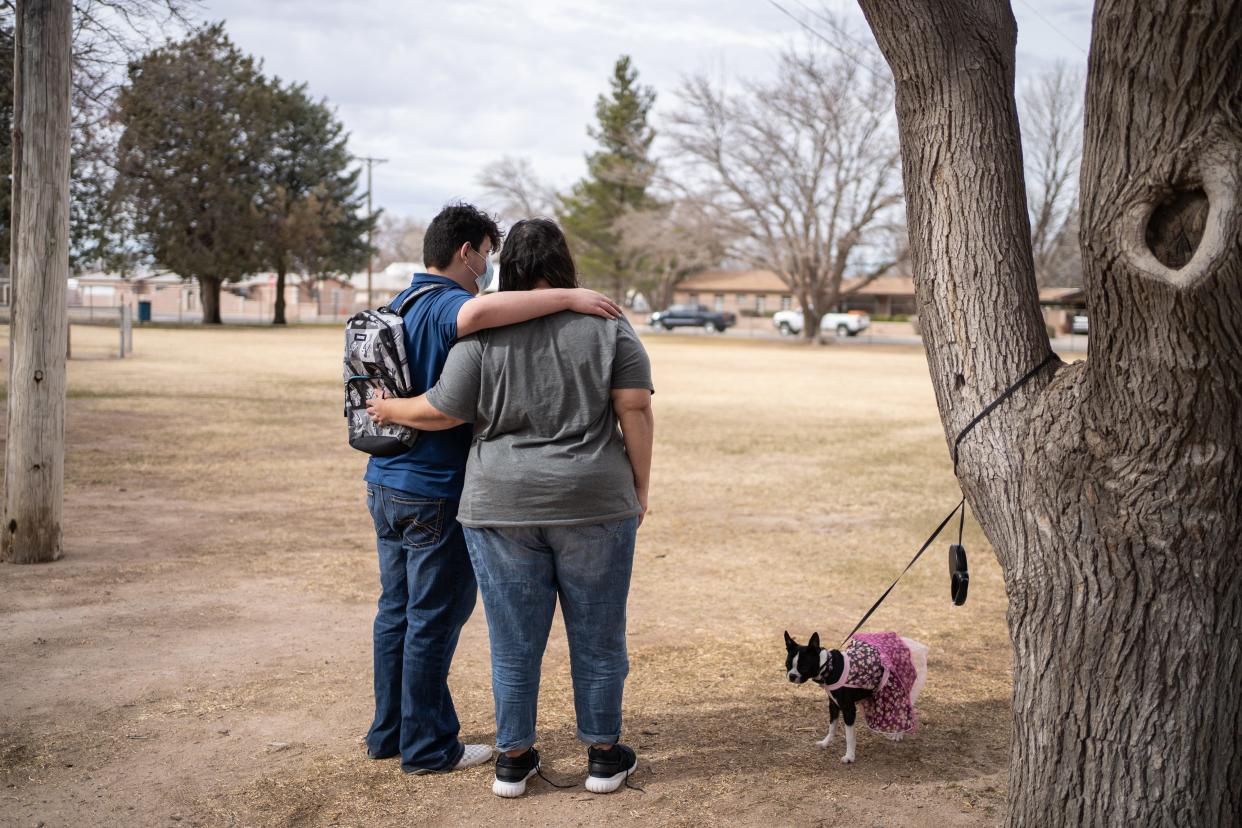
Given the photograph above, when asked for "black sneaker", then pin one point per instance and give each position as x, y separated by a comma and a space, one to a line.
608, 769
513, 771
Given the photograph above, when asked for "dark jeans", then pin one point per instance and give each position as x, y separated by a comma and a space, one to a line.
427, 592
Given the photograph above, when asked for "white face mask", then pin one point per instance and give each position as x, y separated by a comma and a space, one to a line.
483, 280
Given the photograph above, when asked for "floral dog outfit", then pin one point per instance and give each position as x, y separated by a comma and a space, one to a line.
881, 663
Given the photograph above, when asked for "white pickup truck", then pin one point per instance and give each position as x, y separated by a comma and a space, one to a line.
789, 322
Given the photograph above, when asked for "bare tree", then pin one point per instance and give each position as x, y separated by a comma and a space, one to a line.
515, 190
1051, 115
1062, 261
799, 171
106, 34
667, 243
1110, 489
399, 239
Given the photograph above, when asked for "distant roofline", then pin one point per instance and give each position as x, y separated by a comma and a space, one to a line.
767, 282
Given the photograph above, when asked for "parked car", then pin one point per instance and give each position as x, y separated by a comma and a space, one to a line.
789, 322
692, 316
1078, 324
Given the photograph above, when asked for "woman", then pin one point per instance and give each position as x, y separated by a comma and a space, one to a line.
553, 498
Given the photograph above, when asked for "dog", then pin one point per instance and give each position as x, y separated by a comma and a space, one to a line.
883, 673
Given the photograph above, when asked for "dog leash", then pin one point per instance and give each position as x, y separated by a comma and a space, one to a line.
960, 508
1009, 392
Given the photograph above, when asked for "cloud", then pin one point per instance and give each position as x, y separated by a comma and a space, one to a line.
443, 88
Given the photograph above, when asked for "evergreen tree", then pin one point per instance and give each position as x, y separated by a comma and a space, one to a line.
314, 219
189, 164
618, 175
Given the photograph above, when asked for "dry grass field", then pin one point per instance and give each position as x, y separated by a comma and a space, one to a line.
201, 656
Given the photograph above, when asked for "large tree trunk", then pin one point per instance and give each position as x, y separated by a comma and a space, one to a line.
1111, 490
34, 470
209, 292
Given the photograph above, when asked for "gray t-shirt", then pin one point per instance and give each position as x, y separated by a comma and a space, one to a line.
547, 448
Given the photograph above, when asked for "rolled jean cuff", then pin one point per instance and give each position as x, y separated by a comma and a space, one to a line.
520, 744
596, 739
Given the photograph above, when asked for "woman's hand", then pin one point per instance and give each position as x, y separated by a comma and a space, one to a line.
642, 501
585, 300
378, 406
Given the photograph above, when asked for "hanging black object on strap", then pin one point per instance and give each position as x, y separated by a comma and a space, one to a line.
959, 575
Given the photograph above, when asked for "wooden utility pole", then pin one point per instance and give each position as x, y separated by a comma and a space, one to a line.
369, 162
34, 469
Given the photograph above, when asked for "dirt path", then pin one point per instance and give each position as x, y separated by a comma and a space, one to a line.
201, 655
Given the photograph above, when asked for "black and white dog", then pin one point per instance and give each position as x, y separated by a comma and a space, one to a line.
831, 670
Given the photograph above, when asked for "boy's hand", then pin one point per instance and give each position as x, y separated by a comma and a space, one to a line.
585, 300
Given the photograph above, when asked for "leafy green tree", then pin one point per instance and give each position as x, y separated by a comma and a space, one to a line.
618, 176
314, 218
189, 160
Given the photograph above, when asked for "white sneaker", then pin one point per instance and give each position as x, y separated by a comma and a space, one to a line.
608, 769
473, 755
512, 773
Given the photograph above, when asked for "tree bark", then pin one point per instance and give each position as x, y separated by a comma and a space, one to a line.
618, 282
279, 315
209, 292
667, 288
1110, 490
34, 471
812, 311
811, 320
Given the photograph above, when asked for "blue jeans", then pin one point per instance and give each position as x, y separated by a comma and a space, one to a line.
521, 573
427, 592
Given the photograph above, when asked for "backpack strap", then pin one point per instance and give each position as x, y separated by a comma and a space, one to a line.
408, 301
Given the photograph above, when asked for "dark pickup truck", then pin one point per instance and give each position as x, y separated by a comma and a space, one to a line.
692, 316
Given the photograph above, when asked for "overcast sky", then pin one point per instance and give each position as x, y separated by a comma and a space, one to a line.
443, 88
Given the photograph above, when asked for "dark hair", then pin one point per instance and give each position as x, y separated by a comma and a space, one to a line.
454, 226
536, 249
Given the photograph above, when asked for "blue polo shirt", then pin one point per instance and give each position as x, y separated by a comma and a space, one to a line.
436, 465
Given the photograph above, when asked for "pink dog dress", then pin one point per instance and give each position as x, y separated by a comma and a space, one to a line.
881, 663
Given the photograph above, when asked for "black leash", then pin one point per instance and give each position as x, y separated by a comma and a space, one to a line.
961, 504
1009, 392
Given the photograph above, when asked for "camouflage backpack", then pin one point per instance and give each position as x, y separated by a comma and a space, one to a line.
375, 359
